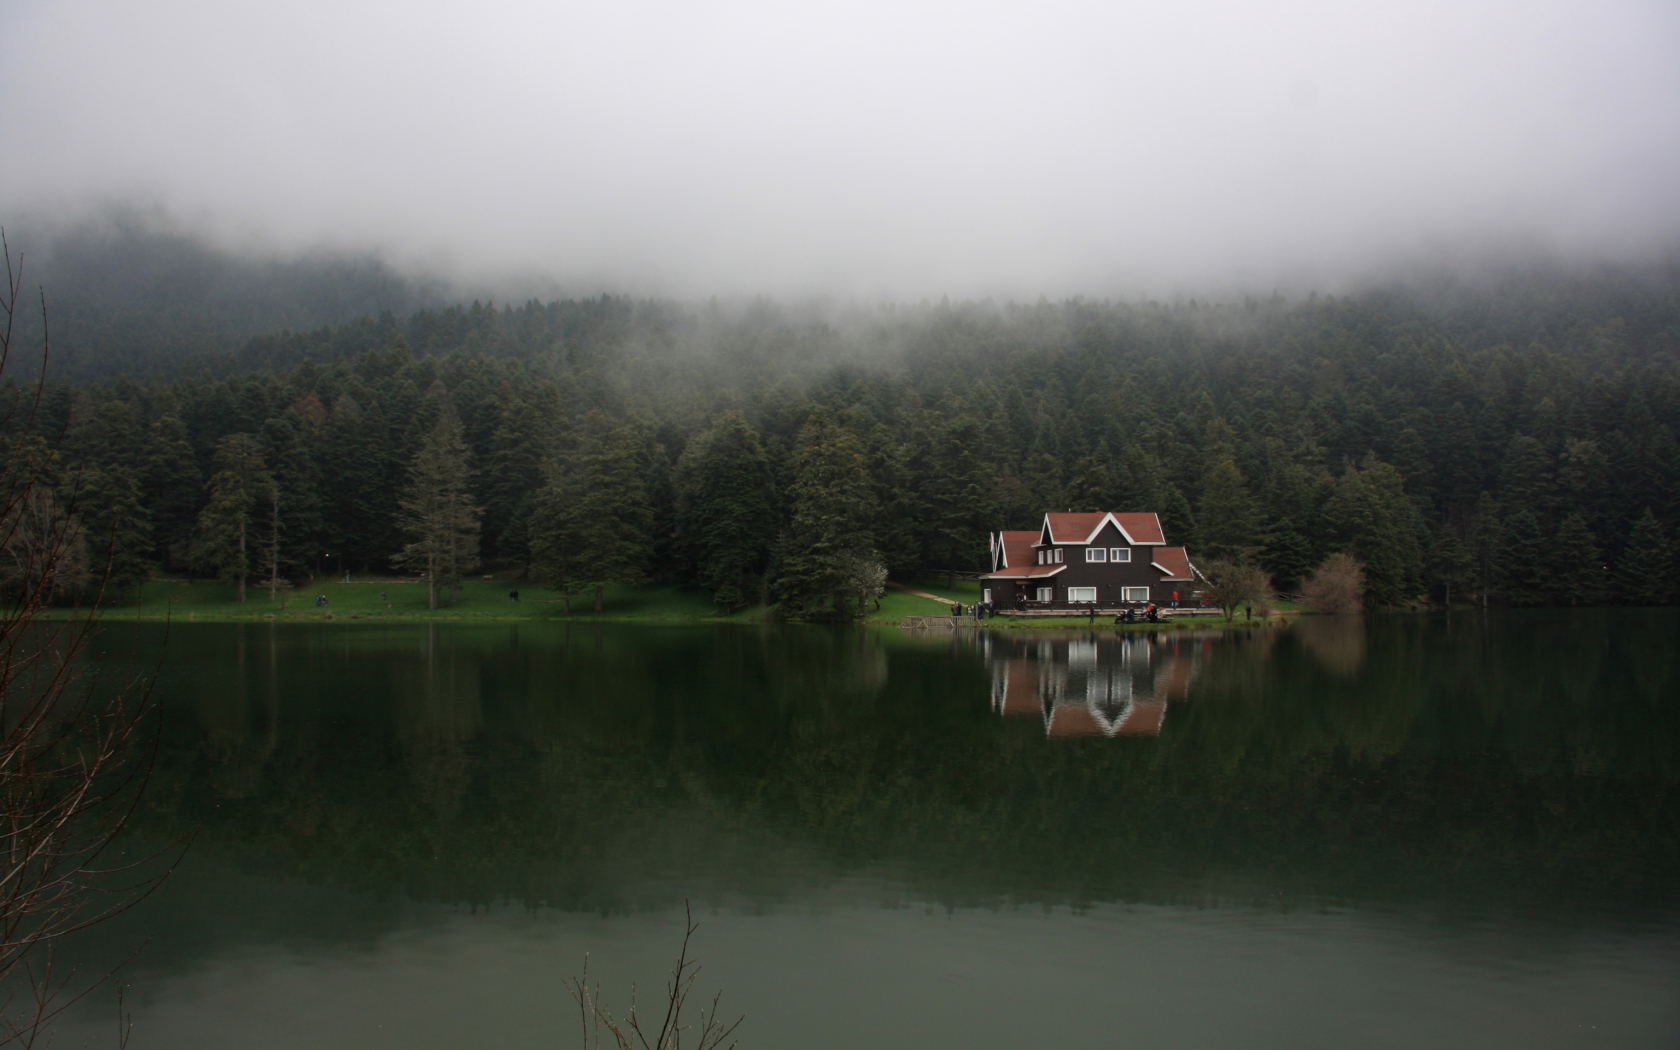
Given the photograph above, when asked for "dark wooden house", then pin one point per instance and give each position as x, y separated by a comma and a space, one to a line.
1105, 560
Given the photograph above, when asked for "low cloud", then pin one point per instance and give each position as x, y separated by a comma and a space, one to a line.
866, 149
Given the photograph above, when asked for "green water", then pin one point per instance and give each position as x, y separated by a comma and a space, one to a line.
1400, 832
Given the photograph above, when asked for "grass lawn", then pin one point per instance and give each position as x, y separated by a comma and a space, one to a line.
390, 598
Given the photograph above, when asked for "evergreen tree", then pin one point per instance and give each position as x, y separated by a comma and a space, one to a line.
1227, 517
1089, 489
827, 543
170, 482
437, 511
115, 526
727, 511
286, 440
1645, 572
1452, 563
222, 540
1487, 547
1379, 526
955, 498
1525, 572
1578, 572
590, 525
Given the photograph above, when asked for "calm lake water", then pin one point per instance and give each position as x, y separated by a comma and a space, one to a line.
1401, 832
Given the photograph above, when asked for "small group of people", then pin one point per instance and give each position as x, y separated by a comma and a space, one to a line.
1148, 614
320, 600
978, 610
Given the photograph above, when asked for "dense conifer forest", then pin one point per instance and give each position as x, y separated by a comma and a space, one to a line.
1512, 440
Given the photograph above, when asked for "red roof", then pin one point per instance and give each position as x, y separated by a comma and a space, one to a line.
1143, 528
1020, 560
1174, 562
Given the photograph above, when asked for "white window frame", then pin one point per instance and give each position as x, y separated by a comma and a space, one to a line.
1082, 594
1096, 554
985, 594
1046, 594
1119, 554
1134, 594
1058, 555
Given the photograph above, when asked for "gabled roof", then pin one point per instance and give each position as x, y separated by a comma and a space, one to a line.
1016, 549
1142, 529
1175, 562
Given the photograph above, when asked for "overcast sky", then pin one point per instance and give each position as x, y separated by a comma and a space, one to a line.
861, 148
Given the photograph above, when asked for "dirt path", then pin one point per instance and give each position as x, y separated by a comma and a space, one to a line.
919, 594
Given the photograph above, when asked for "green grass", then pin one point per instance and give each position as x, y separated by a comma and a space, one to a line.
394, 599
376, 598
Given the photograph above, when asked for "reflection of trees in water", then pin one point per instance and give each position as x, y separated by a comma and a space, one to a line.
1095, 685
437, 710
1481, 754
1336, 642
240, 719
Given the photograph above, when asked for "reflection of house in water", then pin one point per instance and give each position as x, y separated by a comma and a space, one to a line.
1114, 685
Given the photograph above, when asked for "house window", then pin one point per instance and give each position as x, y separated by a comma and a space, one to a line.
1046, 593
1058, 555
1082, 594
1096, 554
986, 594
1119, 554
1135, 594
1041, 557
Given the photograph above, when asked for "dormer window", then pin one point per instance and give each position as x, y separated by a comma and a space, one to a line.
1058, 555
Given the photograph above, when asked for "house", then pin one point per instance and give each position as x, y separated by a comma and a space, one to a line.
1075, 562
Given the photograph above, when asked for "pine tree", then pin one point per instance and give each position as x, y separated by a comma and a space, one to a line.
1526, 561
1645, 572
1378, 524
222, 541
437, 511
118, 531
170, 482
1452, 563
590, 525
1227, 517
955, 501
828, 541
286, 441
1089, 489
1577, 564
1487, 547
726, 511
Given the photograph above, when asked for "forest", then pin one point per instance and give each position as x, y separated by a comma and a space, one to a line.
1507, 440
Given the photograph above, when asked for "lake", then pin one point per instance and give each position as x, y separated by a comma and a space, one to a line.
1393, 832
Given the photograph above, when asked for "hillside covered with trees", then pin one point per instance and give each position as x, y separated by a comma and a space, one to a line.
1514, 439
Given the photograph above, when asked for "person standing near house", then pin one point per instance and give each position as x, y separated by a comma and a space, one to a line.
1175, 599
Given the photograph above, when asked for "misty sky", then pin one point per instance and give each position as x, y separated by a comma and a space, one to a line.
864, 148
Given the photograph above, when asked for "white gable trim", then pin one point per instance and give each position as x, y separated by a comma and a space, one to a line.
1107, 519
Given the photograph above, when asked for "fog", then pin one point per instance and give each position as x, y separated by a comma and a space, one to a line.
863, 149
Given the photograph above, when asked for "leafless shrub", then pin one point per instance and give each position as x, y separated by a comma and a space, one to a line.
71, 763
628, 1033
1234, 585
1336, 586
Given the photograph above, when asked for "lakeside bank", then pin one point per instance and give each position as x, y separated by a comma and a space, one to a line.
403, 600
